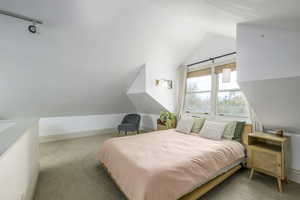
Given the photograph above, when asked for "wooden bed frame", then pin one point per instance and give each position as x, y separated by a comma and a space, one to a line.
194, 195
200, 191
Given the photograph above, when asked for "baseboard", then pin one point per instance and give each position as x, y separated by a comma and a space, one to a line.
294, 175
58, 137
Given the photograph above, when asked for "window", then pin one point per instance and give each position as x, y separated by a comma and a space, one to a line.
198, 92
230, 100
206, 93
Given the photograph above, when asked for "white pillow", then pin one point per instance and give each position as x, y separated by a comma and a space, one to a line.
185, 125
213, 130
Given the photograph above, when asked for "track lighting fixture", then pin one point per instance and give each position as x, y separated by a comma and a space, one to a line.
32, 28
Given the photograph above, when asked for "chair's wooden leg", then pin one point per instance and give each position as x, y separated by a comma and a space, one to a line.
279, 184
125, 132
138, 132
251, 173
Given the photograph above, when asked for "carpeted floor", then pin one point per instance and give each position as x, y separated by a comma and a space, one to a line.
69, 171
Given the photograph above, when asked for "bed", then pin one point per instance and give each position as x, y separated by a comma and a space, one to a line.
167, 165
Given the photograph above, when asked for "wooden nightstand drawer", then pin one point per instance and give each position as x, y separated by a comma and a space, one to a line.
267, 161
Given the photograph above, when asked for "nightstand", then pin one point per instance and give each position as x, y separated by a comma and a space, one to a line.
268, 154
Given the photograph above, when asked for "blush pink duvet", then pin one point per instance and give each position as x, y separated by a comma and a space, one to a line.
165, 165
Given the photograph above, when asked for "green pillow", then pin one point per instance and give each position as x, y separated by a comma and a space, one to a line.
229, 130
239, 130
198, 124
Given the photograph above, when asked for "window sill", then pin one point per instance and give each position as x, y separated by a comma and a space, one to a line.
220, 117
232, 116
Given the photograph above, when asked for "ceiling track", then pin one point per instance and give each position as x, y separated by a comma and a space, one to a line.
22, 17
211, 59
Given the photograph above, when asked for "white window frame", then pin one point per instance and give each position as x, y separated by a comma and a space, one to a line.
199, 92
214, 93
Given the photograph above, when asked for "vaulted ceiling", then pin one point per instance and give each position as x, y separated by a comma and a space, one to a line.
88, 52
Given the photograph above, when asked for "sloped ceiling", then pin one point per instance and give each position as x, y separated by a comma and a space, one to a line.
88, 52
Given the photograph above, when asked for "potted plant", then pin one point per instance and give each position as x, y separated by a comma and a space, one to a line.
166, 120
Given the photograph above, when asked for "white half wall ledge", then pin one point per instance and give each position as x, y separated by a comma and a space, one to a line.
74, 135
71, 127
19, 165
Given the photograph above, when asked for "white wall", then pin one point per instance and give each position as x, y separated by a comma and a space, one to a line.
149, 121
213, 45
19, 167
295, 149
268, 73
145, 103
76, 124
271, 51
156, 71
83, 62
294, 165
146, 96
139, 84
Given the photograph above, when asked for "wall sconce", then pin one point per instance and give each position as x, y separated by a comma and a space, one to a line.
226, 75
164, 83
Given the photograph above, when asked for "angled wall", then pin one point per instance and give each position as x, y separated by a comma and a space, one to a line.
268, 62
140, 96
269, 73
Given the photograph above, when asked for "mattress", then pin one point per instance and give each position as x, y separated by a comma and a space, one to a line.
165, 165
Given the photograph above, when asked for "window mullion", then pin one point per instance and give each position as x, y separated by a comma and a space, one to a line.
214, 91
203, 91
230, 90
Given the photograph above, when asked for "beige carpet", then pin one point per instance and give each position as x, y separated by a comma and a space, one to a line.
69, 171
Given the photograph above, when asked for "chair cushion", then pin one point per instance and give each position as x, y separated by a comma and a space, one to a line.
127, 127
131, 118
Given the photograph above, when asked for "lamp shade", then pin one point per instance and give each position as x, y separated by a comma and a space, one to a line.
226, 75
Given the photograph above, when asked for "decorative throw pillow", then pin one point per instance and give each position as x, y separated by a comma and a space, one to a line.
185, 125
229, 130
213, 130
239, 130
198, 124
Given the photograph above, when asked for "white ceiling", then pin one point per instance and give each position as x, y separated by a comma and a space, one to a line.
88, 52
